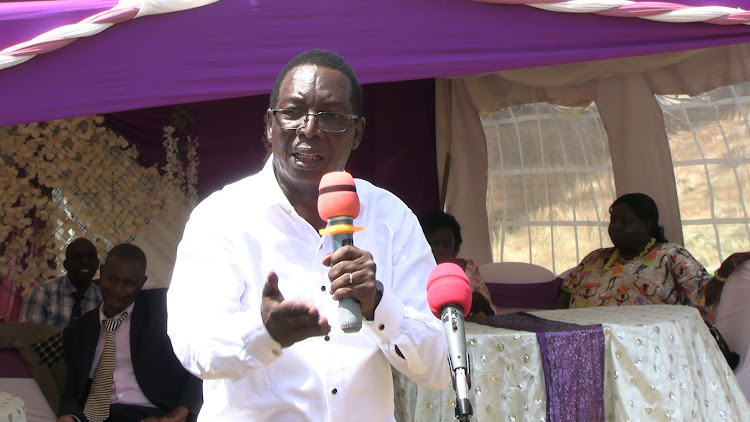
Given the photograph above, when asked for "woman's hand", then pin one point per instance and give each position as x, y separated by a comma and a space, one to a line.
479, 305
716, 285
731, 263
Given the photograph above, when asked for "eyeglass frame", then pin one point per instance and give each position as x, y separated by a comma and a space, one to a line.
352, 118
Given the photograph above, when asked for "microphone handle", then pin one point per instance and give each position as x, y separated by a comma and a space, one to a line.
453, 327
350, 311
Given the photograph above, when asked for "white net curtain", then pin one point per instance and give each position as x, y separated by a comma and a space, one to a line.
529, 160
709, 137
550, 180
549, 184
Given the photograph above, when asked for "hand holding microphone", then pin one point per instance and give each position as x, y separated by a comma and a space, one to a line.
449, 297
352, 270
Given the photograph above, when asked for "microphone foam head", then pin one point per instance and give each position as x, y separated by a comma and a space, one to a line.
447, 284
337, 196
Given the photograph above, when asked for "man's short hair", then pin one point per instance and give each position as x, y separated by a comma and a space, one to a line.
322, 58
130, 252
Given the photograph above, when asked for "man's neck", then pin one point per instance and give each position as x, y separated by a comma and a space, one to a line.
304, 199
81, 286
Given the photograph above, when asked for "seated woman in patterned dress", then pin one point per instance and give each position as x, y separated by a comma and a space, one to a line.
643, 268
444, 236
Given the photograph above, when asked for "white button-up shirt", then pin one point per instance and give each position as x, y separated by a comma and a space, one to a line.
232, 241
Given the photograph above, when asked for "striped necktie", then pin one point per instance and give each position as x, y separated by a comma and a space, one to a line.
76, 312
97, 404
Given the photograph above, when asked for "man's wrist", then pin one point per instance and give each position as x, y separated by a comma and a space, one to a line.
378, 298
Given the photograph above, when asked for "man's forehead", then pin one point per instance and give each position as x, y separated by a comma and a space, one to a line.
307, 75
80, 247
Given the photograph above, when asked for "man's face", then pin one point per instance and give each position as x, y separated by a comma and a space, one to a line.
303, 156
121, 280
81, 261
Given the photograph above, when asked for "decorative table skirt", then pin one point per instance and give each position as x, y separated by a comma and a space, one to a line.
11, 408
660, 364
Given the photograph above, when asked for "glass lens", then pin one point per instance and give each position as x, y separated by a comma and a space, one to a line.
327, 121
333, 122
290, 119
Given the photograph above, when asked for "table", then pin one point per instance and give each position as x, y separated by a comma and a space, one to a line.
660, 364
11, 408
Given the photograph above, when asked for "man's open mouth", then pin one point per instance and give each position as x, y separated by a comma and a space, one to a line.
306, 158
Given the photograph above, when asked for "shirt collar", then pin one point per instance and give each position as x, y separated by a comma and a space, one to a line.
69, 288
103, 318
275, 196
67, 285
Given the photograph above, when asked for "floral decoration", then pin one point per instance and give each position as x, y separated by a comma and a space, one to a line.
70, 178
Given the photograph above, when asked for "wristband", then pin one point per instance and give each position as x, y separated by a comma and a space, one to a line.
720, 278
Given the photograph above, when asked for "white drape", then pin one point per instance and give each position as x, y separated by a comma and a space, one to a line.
624, 92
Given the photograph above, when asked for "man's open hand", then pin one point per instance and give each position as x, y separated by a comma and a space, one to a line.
289, 321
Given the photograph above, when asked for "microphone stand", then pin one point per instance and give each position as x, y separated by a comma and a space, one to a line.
461, 375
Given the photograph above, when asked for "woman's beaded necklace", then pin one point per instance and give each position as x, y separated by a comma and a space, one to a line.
611, 262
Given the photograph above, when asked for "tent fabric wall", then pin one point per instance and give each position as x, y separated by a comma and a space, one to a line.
235, 48
623, 90
397, 151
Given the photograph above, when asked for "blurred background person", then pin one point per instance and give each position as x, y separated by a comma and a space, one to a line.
643, 268
57, 301
444, 235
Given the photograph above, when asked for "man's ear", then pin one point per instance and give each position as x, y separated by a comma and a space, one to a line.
269, 126
143, 281
359, 131
65, 265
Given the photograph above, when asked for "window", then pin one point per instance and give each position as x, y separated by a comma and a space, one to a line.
709, 138
550, 184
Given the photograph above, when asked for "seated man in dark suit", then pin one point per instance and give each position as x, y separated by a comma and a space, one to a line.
119, 360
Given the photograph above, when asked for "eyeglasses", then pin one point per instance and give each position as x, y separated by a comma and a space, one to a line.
328, 121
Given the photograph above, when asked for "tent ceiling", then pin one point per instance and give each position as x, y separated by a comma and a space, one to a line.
235, 48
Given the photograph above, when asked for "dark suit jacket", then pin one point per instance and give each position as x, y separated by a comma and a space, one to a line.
159, 373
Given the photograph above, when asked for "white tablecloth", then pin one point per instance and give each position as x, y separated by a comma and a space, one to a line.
661, 364
11, 408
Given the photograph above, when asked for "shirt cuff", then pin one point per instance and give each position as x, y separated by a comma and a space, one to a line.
389, 315
258, 341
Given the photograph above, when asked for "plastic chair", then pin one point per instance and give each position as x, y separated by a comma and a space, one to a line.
733, 321
519, 285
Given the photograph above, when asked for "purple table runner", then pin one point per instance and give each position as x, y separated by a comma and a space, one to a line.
573, 363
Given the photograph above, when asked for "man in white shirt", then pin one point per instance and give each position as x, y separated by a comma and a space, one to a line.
253, 302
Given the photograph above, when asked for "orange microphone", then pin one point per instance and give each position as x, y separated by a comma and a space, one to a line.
338, 204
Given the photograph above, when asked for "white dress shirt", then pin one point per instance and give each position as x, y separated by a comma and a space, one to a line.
232, 241
125, 387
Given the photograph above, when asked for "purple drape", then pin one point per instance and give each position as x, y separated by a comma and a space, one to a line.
397, 152
573, 364
235, 48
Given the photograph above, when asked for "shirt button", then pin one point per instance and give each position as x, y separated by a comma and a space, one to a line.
326, 338
381, 327
334, 391
119, 396
322, 288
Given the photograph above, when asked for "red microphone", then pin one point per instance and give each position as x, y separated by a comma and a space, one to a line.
449, 297
338, 204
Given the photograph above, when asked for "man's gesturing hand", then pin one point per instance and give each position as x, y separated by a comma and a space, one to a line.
289, 321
